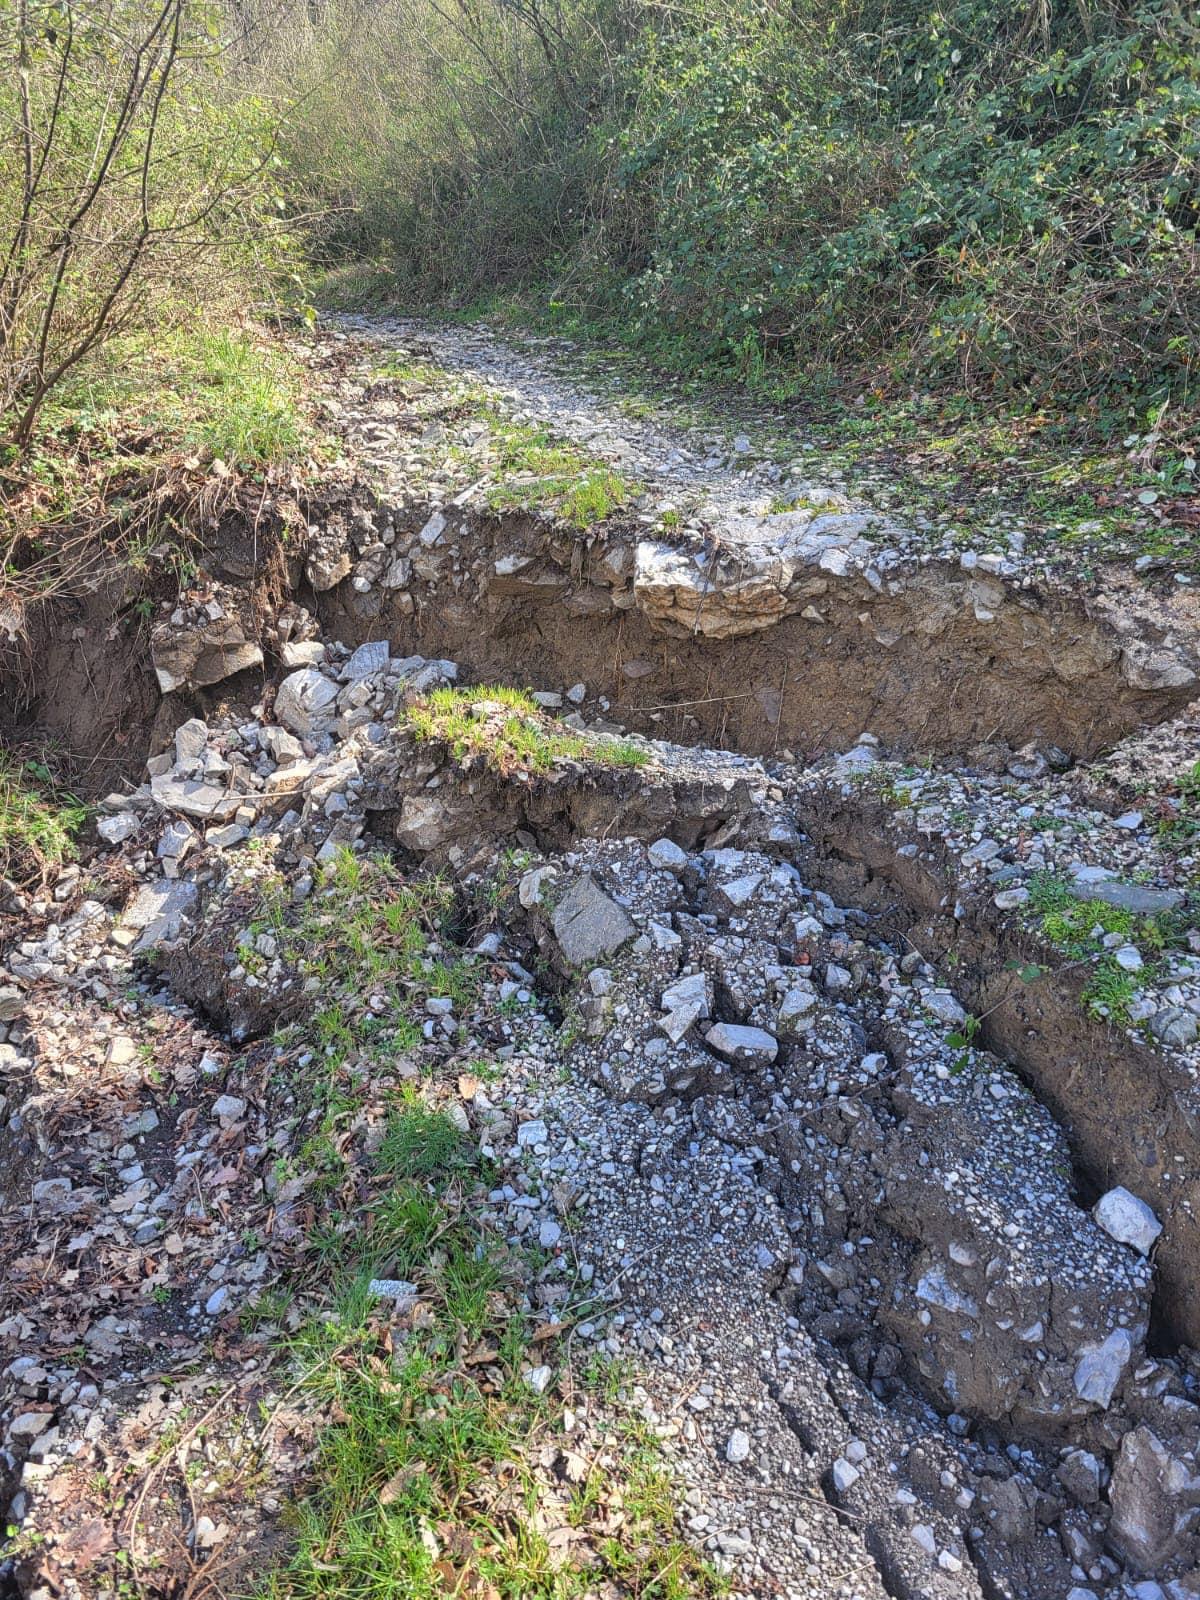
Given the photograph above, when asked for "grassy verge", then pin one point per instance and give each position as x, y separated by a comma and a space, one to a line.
447, 1465
508, 729
133, 438
38, 822
216, 392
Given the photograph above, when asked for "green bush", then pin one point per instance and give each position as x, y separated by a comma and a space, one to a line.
996, 196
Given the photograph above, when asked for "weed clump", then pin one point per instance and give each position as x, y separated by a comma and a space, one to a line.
38, 822
1090, 931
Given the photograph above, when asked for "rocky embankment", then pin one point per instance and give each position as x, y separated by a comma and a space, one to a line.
848, 1102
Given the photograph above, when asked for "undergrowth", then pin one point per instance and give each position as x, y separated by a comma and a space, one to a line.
223, 394
510, 731
985, 199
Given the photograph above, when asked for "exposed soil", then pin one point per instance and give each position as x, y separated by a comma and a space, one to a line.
917, 669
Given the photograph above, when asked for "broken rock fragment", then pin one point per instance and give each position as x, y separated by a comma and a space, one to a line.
305, 700
1127, 1219
748, 1047
1155, 1501
588, 925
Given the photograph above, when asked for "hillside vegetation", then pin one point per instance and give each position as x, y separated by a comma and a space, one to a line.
996, 196
994, 200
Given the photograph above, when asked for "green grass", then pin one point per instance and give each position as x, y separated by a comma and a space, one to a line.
422, 1485
534, 469
365, 932
508, 729
38, 822
1180, 827
1078, 927
212, 391
248, 401
418, 1141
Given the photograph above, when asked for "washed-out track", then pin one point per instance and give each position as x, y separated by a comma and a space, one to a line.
844, 1232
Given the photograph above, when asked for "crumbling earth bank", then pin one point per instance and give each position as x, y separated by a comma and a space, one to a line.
809, 1121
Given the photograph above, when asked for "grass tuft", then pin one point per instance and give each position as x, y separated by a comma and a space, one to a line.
1079, 929
534, 469
38, 822
509, 729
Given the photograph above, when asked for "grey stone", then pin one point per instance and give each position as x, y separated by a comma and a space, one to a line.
736, 894
944, 1007
1135, 897
191, 740
194, 798
666, 853
533, 885
186, 657
282, 746
793, 1018
368, 659
1100, 1367
175, 840
1174, 1027
1127, 1219
228, 1107
737, 1448
157, 911
1010, 899
1152, 1495
588, 925
692, 990
1079, 1474
232, 833
431, 533
304, 700
751, 1047
115, 830
424, 823
301, 653
392, 1289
